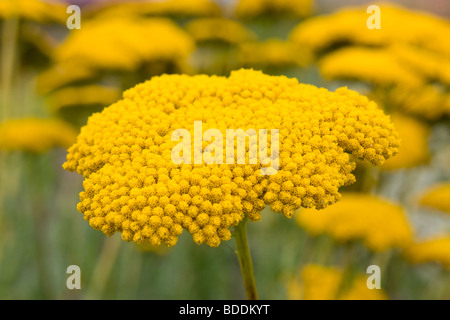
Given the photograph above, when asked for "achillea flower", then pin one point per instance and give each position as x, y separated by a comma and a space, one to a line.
34, 10
429, 65
89, 95
272, 53
380, 225
172, 8
90, 56
135, 42
35, 135
219, 29
347, 27
437, 197
435, 250
256, 8
414, 135
408, 65
323, 283
379, 67
132, 186
430, 102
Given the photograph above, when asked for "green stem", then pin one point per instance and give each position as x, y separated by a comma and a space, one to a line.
102, 271
245, 260
8, 57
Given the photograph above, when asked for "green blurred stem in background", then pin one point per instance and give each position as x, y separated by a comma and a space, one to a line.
245, 260
102, 271
8, 55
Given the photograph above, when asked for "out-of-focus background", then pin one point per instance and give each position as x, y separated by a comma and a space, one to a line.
396, 217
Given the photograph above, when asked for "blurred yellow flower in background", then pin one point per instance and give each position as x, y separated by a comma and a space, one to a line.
379, 224
62, 74
34, 10
414, 151
87, 95
91, 67
170, 8
376, 66
437, 197
219, 29
132, 185
432, 101
135, 41
435, 250
411, 78
272, 53
430, 65
407, 64
347, 26
256, 8
35, 134
319, 282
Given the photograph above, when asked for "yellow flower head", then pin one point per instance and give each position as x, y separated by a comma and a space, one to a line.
35, 135
375, 66
348, 27
34, 10
413, 79
414, 135
408, 63
427, 64
255, 8
432, 250
172, 8
272, 52
135, 42
132, 185
377, 223
437, 197
226, 30
429, 101
323, 283
87, 95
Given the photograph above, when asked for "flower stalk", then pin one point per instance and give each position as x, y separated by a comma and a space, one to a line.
245, 260
8, 56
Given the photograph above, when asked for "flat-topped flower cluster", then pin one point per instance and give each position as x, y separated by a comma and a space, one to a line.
133, 187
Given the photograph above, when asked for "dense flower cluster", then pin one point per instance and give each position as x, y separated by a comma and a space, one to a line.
414, 151
221, 29
437, 197
255, 8
35, 135
34, 10
433, 250
272, 52
135, 41
132, 186
323, 283
344, 221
